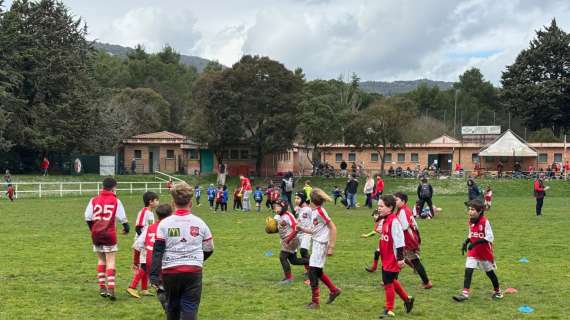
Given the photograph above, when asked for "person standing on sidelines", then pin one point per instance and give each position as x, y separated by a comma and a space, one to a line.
100, 215
45, 166
539, 193
183, 242
379, 188
368, 190
350, 192
245, 184
287, 185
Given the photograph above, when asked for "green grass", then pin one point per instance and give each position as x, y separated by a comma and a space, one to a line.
47, 267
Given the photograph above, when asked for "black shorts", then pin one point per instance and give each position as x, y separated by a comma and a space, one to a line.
183, 293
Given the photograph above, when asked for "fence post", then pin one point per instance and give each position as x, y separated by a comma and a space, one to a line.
61, 189
40, 190
159, 187
16, 192
145, 186
97, 191
131, 188
80, 184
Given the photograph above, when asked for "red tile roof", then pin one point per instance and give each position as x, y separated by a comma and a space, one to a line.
159, 135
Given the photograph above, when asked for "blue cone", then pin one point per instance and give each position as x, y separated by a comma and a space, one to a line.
525, 309
269, 253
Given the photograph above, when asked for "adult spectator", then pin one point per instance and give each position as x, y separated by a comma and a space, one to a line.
77, 166
500, 167
353, 168
222, 172
425, 195
368, 191
343, 167
478, 168
183, 243
245, 185
539, 193
133, 166
378, 188
473, 192
7, 177
45, 166
350, 191
287, 185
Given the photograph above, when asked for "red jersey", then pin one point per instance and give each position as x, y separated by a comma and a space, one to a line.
103, 210
149, 239
410, 228
45, 164
392, 237
481, 230
275, 195
246, 184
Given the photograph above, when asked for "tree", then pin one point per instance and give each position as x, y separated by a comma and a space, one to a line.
381, 126
214, 118
543, 135
268, 96
536, 87
44, 48
423, 130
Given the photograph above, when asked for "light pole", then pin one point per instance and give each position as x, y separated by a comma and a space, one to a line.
455, 115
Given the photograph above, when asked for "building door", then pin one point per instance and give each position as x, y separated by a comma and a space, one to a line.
150, 162
206, 161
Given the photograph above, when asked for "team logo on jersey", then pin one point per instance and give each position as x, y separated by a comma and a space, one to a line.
183, 240
174, 232
384, 237
315, 221
194, 231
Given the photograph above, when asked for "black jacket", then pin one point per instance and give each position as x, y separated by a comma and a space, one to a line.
351, 187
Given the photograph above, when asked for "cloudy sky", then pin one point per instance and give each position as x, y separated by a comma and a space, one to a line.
377, 39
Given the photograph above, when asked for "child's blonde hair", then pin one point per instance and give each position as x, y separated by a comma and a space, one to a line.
182, 194
318, 197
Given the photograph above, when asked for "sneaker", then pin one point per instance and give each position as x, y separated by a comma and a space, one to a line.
285, 281
333, 295
312, 306
460, 297
103, 292
147, 293
133, 293
409, 304
387, 314
497, 295
427, 285
369, 269
111, 294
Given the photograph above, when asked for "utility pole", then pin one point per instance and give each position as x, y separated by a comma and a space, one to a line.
455, 114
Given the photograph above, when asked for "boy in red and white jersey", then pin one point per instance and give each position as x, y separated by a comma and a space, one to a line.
376, 230
392, 245
100, 215
412, 238
142, 257
488, 197
10, 192
287, 228
145, 218
304, 212
479, 247
323, 235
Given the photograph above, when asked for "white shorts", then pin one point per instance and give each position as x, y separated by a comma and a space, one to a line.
305, 241
318, 255
485, 265
105, 249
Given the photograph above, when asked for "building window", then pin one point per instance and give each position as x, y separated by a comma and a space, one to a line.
169, 154
338, 157
388, 157
234, 154
475, 157
244, 154
401, 157
138, 154
374, 157
225, 155
352, 157
415, 157
558, 157
542, 157
192, 154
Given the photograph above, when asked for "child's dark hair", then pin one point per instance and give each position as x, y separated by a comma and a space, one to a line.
109, 184
163, 211
424, 180
389, 201
318, 197
402, 196
148, 197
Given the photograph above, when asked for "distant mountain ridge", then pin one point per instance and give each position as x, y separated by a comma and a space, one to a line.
117, 50
397, 87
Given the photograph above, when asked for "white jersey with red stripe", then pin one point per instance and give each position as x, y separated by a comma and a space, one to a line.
286, 224
186, 237
304, 216
320, 227
145, 218
140, 247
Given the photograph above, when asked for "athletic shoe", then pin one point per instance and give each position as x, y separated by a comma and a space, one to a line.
111, 294
497, 295
103, 292
427, 285
312, 306
285, 281
133, 293
333, 295
147, 293
368, 269
409, 304
460, 297
387, 314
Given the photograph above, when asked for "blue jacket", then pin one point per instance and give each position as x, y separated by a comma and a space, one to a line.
197, 192
211, 193
225, 196
258, 195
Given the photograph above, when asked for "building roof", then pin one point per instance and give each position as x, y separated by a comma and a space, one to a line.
508, 144
444, 139
159, 135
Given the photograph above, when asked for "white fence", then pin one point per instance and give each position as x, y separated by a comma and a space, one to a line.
61, 189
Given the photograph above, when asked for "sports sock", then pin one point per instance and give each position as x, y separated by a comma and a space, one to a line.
144, 280
288, 275
400, 290
327, 281
467, 279
375, 261
419, 267
111, 278
136, 279
316, 295
101, 275
491, 274
390, 296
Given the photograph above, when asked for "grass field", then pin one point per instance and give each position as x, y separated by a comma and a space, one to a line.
47, 268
